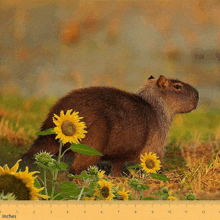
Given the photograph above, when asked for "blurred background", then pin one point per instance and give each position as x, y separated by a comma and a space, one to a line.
50, 47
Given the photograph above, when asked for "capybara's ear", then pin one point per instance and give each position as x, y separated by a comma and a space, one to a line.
151, 77
162, 81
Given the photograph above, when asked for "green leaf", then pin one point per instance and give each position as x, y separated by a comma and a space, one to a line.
42, 165
148, 198
72, 189
145, 187
46, 132
142, 187
84, 175
70, 175
76, 176
160, 193
61, 165
69, 188
58, 166
135, 166
159, 176
84, 149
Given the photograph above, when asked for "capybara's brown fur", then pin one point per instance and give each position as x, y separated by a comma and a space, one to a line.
121, 125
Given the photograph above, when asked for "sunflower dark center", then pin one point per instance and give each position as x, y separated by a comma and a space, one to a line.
105, 191
12, 184
150, 163
68, 128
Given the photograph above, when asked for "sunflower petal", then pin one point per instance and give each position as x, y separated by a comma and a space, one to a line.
7, 170
62, 114
1, 170
68, 112
15, 167
44, 196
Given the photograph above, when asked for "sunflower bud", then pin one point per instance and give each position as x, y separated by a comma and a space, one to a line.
93, 170
44, 158
8, 196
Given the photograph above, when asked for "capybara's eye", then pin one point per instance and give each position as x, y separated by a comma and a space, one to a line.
177, 87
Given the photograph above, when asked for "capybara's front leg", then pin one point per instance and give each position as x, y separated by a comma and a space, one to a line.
117, 168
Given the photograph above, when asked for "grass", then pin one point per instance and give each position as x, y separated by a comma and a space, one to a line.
192, 148
20, 119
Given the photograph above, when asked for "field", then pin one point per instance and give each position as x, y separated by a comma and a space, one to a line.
192, 161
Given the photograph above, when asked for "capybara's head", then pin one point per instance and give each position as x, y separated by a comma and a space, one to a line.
179, 97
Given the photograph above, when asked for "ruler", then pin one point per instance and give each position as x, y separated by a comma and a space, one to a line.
81, 210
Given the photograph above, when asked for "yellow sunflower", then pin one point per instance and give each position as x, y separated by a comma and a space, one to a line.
21, 184
124, 194
150, 163
104, 191
101, 173
170, 192
172, 198
68, 127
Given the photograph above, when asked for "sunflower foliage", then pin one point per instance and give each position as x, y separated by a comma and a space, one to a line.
68, 129
138, 186
74, 191
165, 194
150, 164
45, 161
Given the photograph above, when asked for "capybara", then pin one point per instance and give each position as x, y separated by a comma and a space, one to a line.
121, 125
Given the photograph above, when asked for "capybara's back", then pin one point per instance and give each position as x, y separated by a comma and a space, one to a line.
120, 125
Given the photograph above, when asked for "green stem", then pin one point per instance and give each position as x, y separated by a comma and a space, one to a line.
40, 180
53, 185
56, 196
65, 151
56, 172
141, 194
80, 195
59, 156
135, 194
45, 182
145, 177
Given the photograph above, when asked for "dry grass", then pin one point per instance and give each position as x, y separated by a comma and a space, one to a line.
3, 112
14, 135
